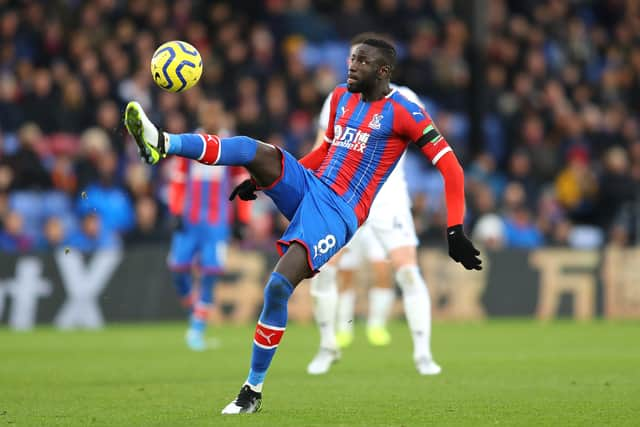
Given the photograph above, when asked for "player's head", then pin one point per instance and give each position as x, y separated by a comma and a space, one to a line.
357, 40
371, 63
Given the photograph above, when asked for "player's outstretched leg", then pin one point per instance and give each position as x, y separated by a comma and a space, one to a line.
417, 308
269, 331
149, 140
381, 298
290, 271
262, 160
345, 319
195, 336
324, 291
182, 282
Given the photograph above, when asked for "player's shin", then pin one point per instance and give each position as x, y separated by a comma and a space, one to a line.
380, 302
182, 282
417, 307
269, 329
324, 290
212, 149
346, 310
204, 304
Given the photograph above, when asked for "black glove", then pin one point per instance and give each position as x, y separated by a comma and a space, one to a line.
246, 190
176, 223
461, 249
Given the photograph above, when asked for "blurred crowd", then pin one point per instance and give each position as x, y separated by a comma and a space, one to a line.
557, 161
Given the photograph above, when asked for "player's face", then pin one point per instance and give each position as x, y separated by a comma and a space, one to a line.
352, 52
364, 66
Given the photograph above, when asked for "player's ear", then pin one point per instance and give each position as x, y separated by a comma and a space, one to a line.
384, 71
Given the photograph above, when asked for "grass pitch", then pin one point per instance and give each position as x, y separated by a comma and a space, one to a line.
507, 372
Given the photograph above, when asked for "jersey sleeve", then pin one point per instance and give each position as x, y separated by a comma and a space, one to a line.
416, 125
410, 95
178, 184
314, 159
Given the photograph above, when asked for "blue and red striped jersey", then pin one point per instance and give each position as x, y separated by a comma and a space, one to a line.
367, 140
199, 193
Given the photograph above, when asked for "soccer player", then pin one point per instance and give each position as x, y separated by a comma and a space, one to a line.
201, 217
388, 233
327, 194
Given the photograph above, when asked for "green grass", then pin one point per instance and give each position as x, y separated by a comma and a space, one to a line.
506, 372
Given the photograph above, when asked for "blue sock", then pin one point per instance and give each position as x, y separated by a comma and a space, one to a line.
205, 301
182, 283
209, 149
270, 327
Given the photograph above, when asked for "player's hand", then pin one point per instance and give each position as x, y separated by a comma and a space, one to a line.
462, 250
246, 190
176, 223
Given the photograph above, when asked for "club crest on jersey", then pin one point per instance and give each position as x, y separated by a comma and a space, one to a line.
375, 121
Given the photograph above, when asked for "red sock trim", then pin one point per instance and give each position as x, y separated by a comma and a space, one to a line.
201, 312
211, 153
267, 336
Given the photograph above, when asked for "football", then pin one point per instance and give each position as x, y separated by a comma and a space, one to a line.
176, 66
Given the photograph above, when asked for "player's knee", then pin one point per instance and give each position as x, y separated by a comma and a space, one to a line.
325, 281
266, 166
409, 278
278, 288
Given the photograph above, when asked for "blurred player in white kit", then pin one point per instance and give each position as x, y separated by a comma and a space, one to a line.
386, 239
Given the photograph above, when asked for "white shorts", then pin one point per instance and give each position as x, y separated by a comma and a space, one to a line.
383, 232
364, 246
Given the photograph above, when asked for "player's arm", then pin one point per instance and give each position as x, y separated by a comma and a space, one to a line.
434, 146
313, 160
243, 207
324, 136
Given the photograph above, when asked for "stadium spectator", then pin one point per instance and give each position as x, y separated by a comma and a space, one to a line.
615, 184
54, 234
13, 238
148, 227
28, 171
72, 115
559, 75
577, 186
519, 229
92, 236
106, 199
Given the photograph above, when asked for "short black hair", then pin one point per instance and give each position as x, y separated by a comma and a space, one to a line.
359, 38
386, 48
